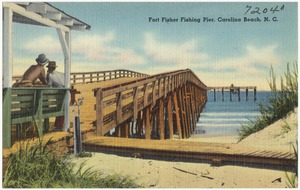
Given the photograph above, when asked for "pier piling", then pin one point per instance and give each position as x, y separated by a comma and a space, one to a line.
233, 90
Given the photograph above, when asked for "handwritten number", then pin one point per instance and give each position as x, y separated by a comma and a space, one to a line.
274, 10
248, 7
255, 11
265, 10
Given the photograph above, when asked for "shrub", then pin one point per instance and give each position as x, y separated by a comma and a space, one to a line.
280, 102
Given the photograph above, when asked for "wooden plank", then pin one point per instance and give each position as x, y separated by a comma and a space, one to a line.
21, 98
21, 105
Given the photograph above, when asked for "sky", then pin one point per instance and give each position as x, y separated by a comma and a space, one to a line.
134, 36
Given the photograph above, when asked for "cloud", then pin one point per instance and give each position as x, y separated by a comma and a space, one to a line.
181, 55
100, 48
250, 68
46, 43
93, 48
256, 60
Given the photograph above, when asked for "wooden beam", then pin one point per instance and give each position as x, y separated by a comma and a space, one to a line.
65, 21
34, 16
78, 27
37, 7
7, 47
65, 42
52, 15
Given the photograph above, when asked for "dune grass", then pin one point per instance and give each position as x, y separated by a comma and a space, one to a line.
39, 166
280, 102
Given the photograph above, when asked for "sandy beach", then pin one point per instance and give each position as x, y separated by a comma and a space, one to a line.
177, 173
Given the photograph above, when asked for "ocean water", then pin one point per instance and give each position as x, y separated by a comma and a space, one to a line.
226, 118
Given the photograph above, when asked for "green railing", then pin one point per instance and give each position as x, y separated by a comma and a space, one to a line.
21, 105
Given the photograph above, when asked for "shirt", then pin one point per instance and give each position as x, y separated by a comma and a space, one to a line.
56, 79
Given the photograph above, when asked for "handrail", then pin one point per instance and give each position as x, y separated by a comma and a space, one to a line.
98, 76
193, 78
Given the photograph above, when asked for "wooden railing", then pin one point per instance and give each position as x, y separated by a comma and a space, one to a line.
118, 103
99, 76
88, 77
23, 105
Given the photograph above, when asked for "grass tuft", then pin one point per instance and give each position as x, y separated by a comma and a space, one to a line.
38, 166
280, 102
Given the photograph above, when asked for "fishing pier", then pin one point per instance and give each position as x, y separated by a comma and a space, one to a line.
122, 112
233, 90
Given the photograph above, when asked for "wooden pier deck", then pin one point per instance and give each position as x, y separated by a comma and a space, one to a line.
214, 152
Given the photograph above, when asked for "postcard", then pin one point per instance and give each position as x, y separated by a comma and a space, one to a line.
149, 94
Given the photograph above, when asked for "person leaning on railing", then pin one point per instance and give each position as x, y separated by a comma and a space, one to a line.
33, 73
56, 79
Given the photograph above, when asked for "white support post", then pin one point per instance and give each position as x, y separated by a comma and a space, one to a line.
65, 39
7, 47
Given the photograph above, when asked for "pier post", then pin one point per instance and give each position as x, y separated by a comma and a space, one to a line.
182, 113
192, 104
247, 94
147, 122
254, 93
223, 94
170, 116
215, 98
161, 123
187, 112
176, 108
138, 125
239, 94
99, 112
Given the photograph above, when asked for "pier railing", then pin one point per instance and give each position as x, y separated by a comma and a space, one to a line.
117, 104
88, 77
